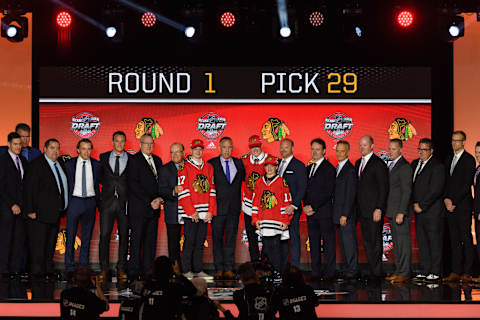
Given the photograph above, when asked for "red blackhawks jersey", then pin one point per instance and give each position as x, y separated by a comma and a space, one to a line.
253, 171
198, 193
270, 199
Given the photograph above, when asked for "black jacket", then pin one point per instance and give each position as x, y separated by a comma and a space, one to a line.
296, 176
11, 185
345, 190
228, 194
400, 189
372, 186
428, 186
476, 203
458, 185
320, 190
41, 194
167, 180
110, 182
142, 185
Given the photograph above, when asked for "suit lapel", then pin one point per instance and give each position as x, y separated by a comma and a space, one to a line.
456, 164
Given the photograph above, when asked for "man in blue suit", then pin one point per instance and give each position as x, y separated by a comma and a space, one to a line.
29, 153
84, 176
295, 173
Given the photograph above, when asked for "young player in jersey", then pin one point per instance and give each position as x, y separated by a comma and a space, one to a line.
270, 198
253, 162
196, 206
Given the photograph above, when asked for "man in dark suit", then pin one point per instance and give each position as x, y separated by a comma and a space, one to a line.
113, 205
344, 210
84, 176
318, 206
427, 195
143, 218
372, 192
12, 223
476, 202
228, 174
400, 189
169, 189
29, 153
45, 198
295, 173
458, 202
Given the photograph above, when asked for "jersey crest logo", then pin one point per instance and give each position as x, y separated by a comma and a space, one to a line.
268, 200
252, 178
201, 184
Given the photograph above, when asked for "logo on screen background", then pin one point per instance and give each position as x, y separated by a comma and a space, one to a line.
387, 239
338, 125
274, 129
211, 125
384, 155
401, 129
85, 125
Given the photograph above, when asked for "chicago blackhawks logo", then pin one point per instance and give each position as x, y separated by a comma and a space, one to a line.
401, 129
201, 184
252, 178
268, 200
148, 126
211, 125
274, 130
338, 125
85, 125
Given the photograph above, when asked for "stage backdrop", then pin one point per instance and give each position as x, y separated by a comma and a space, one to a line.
174, 122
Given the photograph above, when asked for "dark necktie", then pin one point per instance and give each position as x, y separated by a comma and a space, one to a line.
84, 180
255, 161
60, 183
116, 171
227, 170
476, 175
17, 161
313, 170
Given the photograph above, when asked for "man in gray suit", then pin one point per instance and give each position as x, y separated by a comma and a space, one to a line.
400, 179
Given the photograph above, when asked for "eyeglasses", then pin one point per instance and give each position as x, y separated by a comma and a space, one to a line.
424, 149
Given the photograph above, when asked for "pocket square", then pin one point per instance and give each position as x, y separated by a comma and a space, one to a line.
289, 171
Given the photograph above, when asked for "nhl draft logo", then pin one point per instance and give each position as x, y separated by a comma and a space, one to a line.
387, 240
384, 155
338, 125
245, 241
211, 125
85, 125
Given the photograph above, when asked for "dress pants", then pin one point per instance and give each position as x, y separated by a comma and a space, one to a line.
143, 239
402, 246
373, 244
461, 243
252, 237
318, 230
12, 242
173, 236
42, 239
107, 219
271, 250
83, 210
195, 234
347, 238
428, 227
294, 230
224, 252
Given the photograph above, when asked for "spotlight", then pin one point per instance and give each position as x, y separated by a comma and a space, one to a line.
149, 19
64, 19
285, 32
189, 32
111, 32
358, 32
316, 18
454, 31
14, 27
452, 27
227, 19
405, 18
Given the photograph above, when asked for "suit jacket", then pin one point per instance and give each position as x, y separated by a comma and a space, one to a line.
41, 194
400, 189
296, 176
110, 182
167, 180
32, 153
458, 185
428, 187
320, 190
142, 185
476, 202
345, 190
11, 185
372, 186
71, 167
229, 195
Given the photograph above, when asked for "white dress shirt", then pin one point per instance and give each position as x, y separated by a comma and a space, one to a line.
455, 159
77, 190
365, 160
313, 170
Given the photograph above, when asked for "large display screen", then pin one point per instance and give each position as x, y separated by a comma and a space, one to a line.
178, 104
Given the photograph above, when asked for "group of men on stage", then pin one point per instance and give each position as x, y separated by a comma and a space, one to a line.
36, 190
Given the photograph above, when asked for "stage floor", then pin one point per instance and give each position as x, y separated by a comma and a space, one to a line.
337, 299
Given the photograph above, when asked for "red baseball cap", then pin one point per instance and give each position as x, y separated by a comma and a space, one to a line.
254, 141
271, 160
196, 143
